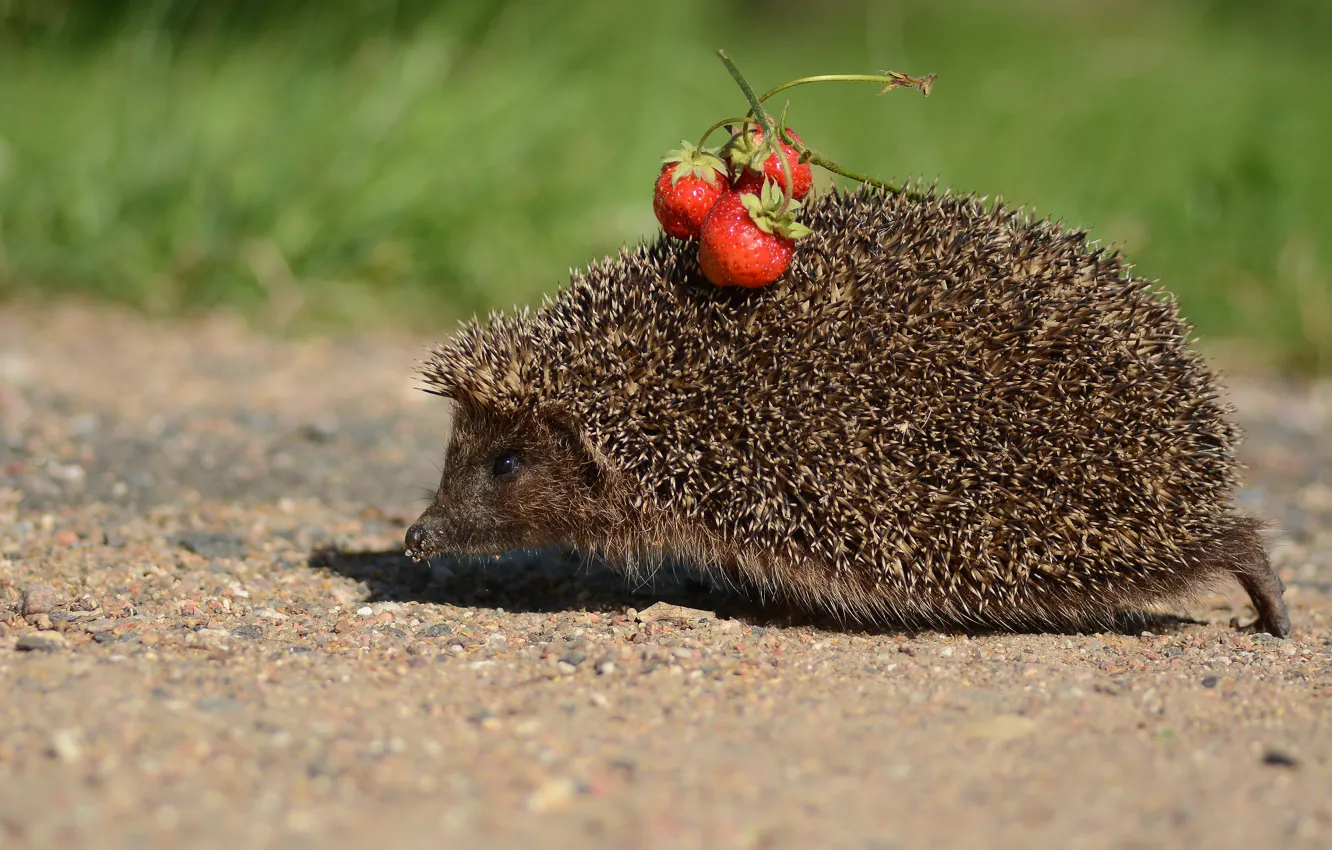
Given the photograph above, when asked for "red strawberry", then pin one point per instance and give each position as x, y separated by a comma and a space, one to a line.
690, 182
745, 153
744, 242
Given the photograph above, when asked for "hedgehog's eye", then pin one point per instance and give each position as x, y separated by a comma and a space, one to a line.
505, 464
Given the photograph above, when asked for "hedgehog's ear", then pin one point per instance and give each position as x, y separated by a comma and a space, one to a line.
563, 427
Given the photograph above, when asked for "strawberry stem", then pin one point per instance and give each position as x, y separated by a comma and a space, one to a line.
815, 158
770, 135
722, 123
890, 79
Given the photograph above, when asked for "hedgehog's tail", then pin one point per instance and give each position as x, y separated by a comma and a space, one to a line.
1240, 551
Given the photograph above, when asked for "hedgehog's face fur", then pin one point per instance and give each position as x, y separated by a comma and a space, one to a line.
509, 482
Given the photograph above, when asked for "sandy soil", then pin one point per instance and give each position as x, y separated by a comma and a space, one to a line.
208, 639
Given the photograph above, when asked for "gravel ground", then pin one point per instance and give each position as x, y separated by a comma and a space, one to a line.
208, 639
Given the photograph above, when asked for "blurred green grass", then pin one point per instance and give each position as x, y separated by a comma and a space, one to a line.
414, 162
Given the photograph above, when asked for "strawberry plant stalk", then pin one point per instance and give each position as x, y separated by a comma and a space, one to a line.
890, 79
770, 134
757, 115
722, 123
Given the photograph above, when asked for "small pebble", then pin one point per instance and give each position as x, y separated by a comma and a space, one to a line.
552, 795
678, 614
41, 642
365, 611
212, 545
38, 599
321, 430
65, 745
1276, 758
41, 622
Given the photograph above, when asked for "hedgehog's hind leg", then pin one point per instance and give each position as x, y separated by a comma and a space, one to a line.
1265, 588
1241, 548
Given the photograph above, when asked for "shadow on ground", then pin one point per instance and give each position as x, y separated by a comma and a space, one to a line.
527, 582
522, 582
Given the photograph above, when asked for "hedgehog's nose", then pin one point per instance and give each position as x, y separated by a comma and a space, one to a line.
418, 537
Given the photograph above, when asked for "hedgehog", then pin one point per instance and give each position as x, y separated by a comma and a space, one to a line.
947, 414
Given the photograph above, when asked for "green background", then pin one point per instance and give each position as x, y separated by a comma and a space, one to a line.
318, 164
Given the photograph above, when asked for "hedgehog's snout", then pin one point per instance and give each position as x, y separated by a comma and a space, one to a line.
417, 540
427, 536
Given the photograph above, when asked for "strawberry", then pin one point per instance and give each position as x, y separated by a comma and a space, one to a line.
752, 162
690, 182
744, 240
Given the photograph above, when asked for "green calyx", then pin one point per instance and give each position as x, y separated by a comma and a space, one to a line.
773, 213
745, 151
703, 163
